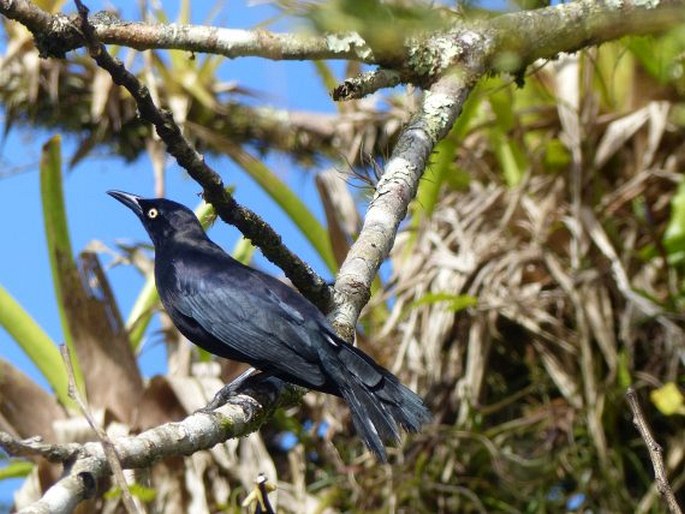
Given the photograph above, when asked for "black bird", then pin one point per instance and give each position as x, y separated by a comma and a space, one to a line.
239, 313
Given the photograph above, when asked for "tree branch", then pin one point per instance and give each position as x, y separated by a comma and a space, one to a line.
504, 43
235, 42
568, 27
655, 453
459, 58
231, 43
88, 462
440, 107
517, 38
365, 84
35, 446
103, 437
214, 192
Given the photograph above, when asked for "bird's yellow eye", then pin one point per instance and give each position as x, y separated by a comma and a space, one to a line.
152, 213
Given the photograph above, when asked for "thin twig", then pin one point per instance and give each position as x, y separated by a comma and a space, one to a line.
655, 453
107, 445
214, 192
35, 446
366, 83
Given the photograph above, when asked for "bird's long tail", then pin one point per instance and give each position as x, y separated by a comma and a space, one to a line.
379, 403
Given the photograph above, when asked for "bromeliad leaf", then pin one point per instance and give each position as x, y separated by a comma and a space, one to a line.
36, 344
456, 302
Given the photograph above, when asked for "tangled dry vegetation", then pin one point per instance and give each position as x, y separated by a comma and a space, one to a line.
526, 309
539, 274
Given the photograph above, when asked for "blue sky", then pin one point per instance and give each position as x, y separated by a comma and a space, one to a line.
92, 215
24, 267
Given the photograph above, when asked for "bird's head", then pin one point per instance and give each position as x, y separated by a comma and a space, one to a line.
163, 219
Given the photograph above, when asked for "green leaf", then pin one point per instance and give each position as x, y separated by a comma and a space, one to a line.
623, 375
184, 13
505, 150
290, 202
143, 493
141, 313
52, 6
383, 25
668, 399
557, 156
457, 302
442, 163
674, 236
661, 56
502, 102
510, 154
16, 469
243, 251
676, 225
57, 233
37, 345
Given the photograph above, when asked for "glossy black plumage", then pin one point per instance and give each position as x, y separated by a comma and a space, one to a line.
239, 313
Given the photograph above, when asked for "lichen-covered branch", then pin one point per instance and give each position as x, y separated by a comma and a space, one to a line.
88, 463
459, 58
440, 107
235, 42
35, 446
509, 42
76, 486
365, 84
519, 38
207, 39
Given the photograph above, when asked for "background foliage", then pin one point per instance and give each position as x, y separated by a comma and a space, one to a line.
540, 272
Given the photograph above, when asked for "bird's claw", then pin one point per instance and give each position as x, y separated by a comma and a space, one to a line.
221, 397
224, 394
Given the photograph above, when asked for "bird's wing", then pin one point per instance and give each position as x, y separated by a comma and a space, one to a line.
247, 314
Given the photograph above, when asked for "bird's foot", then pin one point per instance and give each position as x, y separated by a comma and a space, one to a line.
226, 392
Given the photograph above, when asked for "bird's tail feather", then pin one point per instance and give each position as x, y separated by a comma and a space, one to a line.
369, 420
378, 401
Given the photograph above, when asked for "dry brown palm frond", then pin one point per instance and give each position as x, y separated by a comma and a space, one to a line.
76, 96
570, 299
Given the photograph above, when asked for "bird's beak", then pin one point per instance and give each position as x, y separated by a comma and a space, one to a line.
129, 200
